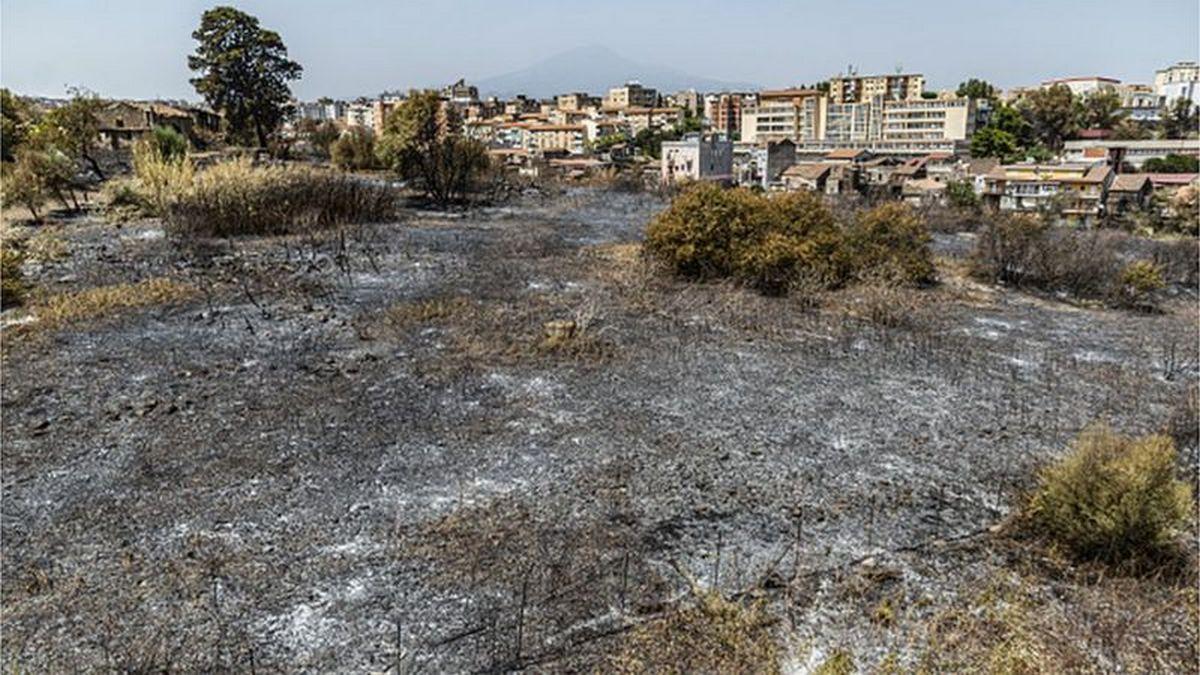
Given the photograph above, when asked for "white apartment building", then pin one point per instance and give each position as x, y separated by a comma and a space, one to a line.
697, 158
360, 114
1081, 86
786, 114
1181, 80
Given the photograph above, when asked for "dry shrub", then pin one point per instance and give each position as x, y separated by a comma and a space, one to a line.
839, 663
1005, 248
771, 242
889, 306
57, 311
1141, 280
162, 179
404, 315
1183, 424
891, 243
13, 287
1113, 498
712, 636
237, 198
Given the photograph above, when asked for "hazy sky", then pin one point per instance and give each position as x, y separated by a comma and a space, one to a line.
128, 48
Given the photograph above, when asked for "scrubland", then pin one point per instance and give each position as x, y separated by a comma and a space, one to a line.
515, 437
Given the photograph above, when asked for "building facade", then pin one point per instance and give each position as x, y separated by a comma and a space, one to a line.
859, 88
785, 114
697, 158
631, 95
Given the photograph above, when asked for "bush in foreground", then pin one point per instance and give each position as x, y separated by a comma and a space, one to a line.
12, 282
237, 198
354, 151
776, 242
1114, 498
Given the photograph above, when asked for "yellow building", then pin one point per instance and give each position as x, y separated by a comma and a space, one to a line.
863, 88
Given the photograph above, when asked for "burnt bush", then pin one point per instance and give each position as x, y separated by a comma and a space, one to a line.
1109, 266
777, 243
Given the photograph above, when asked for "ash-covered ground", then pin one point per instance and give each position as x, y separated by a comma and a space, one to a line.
359, 451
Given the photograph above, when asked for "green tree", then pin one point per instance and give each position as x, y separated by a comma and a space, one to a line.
243, 72
1180, 119
171, 144
23, 184
1129, 130
422, 140
1172, 164
1101, 110
961, 194
1054, 114
1009, 119
16, 118
991, 141
73, 128
976, 88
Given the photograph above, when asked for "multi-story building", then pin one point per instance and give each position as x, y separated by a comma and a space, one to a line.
855, 88
697, 158
724, 111
361, 114
1181, 80
1140, 103
640, 119
1081, 86
1077, 190
850, 123
792, 114
631, 95
688, 99
461, 93
575, 101
928, 119
568, 138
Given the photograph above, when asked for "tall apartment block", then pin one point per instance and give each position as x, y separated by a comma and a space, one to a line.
866, 88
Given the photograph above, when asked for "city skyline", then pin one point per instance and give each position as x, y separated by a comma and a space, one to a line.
361, 49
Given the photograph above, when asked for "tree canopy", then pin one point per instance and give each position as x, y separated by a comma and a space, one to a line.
976, 88
422, 140
243, 71
1053, 113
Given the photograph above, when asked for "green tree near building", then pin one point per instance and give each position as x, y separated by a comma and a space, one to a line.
1054, 114
72, 129
16, 119
977, 89
243, 72
1181, 119
422, 141
1172, 164
1100, 110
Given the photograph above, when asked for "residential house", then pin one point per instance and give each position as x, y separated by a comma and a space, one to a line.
640, 119
821, 177
551, 138
1076, 190
1081, 86
1133, 153
1181, 80
923, 192
122, 122
697, 158
1128, 192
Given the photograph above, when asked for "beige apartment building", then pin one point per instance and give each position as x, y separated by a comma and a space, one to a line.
863, 88
724, 111
631, 95
556, 137
785, 114
945, 119
575, 101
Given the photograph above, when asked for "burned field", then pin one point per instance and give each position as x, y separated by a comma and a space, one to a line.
503, 440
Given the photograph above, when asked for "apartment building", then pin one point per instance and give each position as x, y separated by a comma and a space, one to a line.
569, 138
1140, 103
1082, 86
1181, 80
928, 119
791, 114
461, 93
361, 114
1079, 190
697, 158
687, 99
1134, 153
852, 123
575, 101
640, 119
855, 88
631, 95
724, 111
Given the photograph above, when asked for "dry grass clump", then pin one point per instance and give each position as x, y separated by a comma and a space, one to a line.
839, 663
57, 311
1113, 498
162, 179
405, 315
1024, 622
238, 198
776, 243
712, 636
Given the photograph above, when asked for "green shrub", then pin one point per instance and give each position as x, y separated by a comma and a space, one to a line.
1141, 280
12, 282
961, 194
1113, 498
23, 183
354, 151
890, 243
170, 144
237, 198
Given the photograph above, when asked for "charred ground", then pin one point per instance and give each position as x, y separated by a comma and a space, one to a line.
366, 449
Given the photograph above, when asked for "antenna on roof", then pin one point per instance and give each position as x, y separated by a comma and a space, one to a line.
899, 68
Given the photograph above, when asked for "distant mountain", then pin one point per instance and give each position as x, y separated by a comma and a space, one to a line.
595, 69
